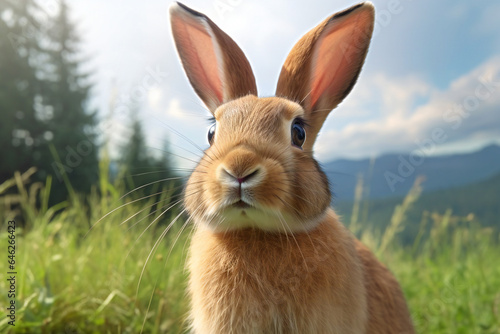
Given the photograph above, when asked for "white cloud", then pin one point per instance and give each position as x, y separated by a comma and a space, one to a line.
155, 98
379, 94
467, 110
174, 110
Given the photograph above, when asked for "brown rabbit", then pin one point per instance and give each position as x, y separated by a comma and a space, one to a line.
268, 254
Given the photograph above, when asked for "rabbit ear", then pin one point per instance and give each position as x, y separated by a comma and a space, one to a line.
216, 67
323, 66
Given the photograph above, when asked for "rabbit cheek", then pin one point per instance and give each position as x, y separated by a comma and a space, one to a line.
273, 190
311, 190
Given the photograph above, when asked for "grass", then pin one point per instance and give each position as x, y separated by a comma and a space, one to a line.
71, 281
452, 282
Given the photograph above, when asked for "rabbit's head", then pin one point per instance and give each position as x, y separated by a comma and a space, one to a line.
259, 171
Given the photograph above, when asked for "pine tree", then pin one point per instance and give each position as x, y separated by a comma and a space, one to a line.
21, 134
67, 92
134, 154
44, 96
139, 166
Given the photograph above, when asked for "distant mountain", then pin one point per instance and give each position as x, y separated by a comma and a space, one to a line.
482, 199
392, 175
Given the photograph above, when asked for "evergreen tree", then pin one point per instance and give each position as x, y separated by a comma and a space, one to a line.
44, 96
140, 167
67, 93
21, 134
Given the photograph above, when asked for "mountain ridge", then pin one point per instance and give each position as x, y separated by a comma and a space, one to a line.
480, 201
392, 175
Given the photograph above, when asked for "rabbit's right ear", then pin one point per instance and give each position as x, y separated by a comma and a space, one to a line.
323, 66
216, 67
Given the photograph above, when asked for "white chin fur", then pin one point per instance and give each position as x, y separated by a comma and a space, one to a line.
231, 219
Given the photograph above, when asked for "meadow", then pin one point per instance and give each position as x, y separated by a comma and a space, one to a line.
126, 274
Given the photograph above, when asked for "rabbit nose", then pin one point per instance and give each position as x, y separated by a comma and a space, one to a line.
241, 178
240, 166
248, 176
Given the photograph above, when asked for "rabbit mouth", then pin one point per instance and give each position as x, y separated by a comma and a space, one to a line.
241, 205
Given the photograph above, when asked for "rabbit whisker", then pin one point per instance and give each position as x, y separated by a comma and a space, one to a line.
150, 183
142, 210
121, 206
155, 246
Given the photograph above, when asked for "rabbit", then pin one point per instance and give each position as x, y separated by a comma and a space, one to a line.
268, 254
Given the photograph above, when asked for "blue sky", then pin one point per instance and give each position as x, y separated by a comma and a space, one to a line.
433, 66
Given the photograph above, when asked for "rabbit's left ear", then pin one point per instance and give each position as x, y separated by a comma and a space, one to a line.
215, 65
323, 66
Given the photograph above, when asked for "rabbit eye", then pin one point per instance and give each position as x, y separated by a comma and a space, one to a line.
211, 133
298, 133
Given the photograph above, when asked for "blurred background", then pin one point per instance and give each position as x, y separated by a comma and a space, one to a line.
98, 123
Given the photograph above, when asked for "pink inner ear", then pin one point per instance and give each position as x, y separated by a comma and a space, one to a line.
198, 52
336, 58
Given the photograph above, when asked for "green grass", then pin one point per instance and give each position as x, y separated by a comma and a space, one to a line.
453, 284
69, 281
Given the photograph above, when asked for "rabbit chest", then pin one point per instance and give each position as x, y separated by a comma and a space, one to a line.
251, 281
